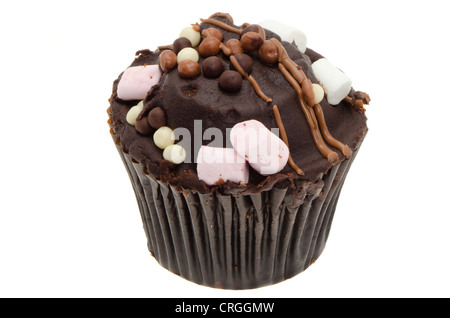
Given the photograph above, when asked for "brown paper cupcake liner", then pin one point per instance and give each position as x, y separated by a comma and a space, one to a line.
241, 241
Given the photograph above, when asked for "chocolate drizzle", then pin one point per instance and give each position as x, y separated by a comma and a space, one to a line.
296, 77
310, 118
346, 151
285, 139
303, 86
222, 15
250, 78
222, 25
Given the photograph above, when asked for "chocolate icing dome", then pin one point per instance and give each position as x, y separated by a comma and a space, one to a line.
199, 100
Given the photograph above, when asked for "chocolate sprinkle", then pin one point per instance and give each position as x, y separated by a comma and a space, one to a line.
230, 81
180, 44
212, 67
157, 118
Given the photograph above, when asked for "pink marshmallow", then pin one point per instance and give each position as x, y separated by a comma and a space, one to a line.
136, 81
264, 151
216, 164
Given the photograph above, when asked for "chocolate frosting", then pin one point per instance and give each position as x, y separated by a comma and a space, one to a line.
187, 100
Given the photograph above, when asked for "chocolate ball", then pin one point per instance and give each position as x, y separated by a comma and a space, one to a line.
250, 28
167, 60
143, 127
245, 61
268, 52
180, 44
213, 32
188, 69
209, 47
157, 118
230, 81
251, 41
212, 67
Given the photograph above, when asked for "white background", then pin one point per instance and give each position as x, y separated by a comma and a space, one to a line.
69, 222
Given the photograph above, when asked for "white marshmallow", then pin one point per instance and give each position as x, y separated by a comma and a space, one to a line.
286, 33
336, 84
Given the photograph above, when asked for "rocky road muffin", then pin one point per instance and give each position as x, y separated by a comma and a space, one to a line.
237, 141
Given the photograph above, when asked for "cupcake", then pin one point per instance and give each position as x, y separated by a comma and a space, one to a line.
237, 141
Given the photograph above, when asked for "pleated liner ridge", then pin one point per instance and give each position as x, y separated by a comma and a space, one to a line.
236, 242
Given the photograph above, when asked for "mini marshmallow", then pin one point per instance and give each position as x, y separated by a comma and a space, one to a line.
187, 53
175, 154
191, 35
264, 151
134, 112
286, 33
215, 164
136, 81
336, 84
164, 137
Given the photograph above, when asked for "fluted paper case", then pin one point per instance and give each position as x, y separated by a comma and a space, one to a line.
236, 241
